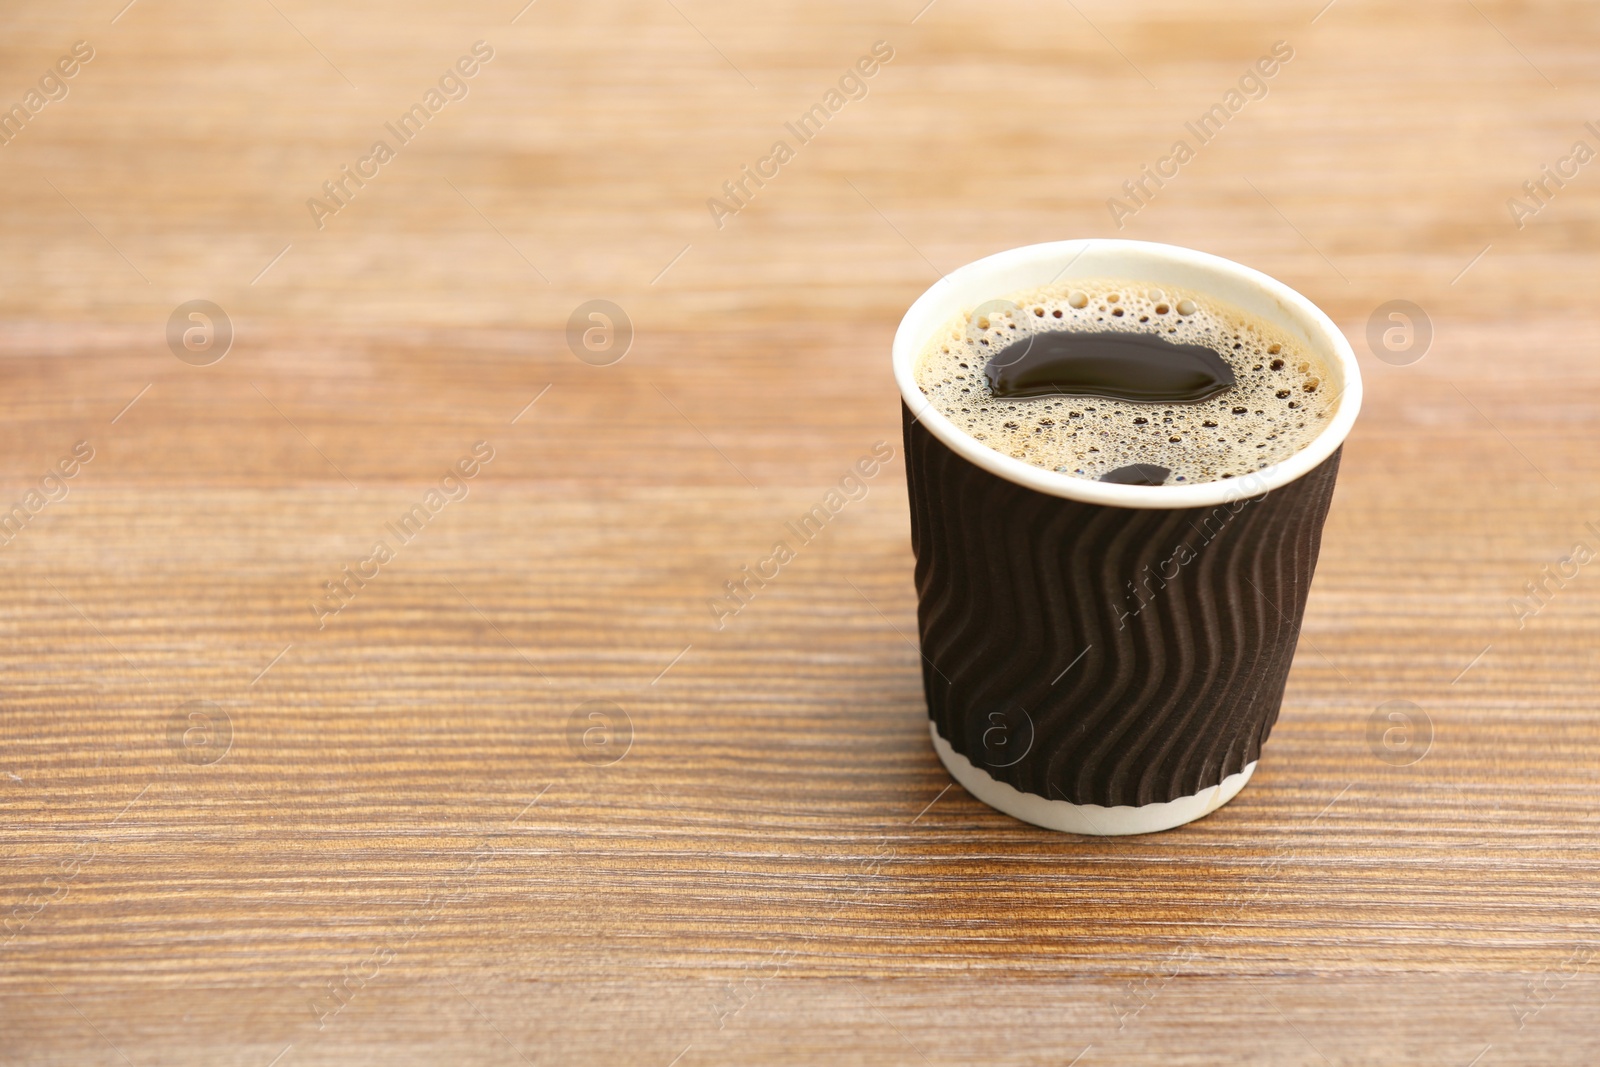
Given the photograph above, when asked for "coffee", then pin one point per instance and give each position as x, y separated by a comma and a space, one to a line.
1116, 365
1121, 381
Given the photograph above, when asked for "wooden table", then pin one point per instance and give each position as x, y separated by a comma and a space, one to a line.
238, 829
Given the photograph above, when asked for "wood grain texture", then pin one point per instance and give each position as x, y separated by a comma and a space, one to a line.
777, 870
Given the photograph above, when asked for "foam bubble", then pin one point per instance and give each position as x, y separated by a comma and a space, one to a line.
1280, 402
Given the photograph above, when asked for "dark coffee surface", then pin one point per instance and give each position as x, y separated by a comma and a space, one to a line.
1137, 474
1087, 376
1115, 364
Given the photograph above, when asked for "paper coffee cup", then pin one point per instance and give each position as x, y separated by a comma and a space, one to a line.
1048, 698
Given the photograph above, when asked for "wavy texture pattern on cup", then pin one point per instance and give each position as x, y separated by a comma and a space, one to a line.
1183, 675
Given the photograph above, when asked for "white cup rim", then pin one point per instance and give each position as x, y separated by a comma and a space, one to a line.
1019, 269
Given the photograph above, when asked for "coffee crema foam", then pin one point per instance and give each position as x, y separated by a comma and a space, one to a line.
1281, 399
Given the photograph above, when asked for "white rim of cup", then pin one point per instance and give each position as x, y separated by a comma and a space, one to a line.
1032, 266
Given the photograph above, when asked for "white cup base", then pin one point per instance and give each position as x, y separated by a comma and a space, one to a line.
1085, 818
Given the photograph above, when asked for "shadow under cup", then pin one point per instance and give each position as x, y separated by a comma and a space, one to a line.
1100, 658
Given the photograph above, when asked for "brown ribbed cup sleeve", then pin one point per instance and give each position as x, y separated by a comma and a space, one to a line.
1077, 652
